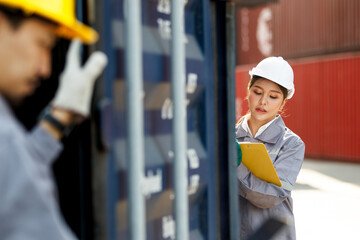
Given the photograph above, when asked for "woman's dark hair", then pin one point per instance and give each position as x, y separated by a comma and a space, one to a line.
255, 78
16, 16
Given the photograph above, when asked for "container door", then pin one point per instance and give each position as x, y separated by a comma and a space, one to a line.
158, 114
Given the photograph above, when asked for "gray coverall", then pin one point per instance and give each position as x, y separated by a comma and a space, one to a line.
28, 204
259, 200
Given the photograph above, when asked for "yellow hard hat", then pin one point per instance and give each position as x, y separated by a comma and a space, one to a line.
61, 12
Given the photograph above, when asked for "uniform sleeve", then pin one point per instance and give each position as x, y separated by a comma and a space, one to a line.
42, 146
287, 165
29, 208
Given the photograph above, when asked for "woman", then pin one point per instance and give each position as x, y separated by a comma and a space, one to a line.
271, 85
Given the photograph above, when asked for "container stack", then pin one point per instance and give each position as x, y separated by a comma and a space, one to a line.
321, 41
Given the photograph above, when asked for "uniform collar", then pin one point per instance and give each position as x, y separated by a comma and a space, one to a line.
270, 135
4, 107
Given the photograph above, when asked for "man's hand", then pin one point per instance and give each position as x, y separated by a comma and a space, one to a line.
77, 82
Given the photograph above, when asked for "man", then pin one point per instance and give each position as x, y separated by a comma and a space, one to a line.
28, 32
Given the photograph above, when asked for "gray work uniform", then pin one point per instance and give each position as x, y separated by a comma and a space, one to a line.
259, 200
28, 204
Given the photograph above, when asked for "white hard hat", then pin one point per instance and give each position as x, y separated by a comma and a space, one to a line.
277, 70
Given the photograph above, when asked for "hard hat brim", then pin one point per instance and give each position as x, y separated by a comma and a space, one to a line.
78, 30
259, 73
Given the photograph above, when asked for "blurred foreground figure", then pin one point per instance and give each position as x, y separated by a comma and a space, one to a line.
270, 86
28, 32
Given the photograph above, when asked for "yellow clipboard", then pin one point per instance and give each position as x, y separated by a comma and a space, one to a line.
256, 158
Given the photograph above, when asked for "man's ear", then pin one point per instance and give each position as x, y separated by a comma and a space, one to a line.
2, 23
1, 17
3, 20
5, 25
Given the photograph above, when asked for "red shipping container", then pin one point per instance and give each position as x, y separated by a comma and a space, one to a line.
295, 29
324, 111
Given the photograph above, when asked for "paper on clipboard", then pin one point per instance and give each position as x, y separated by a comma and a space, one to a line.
256, 158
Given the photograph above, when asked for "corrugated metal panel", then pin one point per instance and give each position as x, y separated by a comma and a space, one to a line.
204, 122
296, 29
247, 45
324, 111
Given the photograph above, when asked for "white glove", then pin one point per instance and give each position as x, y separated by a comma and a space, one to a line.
76, 83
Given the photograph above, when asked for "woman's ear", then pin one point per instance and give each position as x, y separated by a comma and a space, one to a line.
247, 94
282, 105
